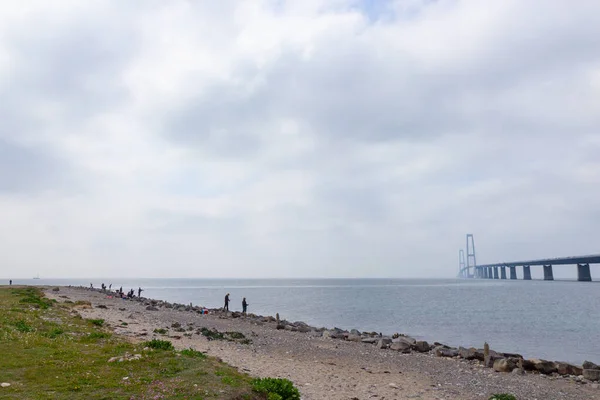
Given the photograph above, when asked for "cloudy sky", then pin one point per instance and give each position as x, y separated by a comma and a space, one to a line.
274, 138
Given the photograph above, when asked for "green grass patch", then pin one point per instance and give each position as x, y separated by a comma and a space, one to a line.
48, 353
161, 331
502, 396
23, 327
96, 322
276, 388
193, 353
158, 344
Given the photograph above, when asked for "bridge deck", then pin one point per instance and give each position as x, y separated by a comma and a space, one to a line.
592, 259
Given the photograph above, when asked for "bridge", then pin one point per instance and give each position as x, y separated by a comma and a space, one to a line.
468, 268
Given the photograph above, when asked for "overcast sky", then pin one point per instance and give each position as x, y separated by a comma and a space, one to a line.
274, 138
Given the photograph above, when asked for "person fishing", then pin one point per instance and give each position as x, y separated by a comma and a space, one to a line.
244, 305
226, 302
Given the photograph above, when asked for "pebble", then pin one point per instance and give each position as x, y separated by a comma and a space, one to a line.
393, 385
5, 384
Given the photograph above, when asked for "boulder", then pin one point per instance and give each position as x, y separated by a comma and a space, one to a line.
422, 346
151, 308
355, 332
590, 365
304, 328
592, 374
491, 358
467, 354
564, 368
407, 339
354, 338
384, 343
443, 352
371, 340
504, 365
402, 347
528, 365
544, 367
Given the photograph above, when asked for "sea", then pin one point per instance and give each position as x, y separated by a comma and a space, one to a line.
557, 320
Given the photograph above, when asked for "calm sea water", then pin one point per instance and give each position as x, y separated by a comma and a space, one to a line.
553, 320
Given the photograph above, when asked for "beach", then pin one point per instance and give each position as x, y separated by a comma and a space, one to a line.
321, 367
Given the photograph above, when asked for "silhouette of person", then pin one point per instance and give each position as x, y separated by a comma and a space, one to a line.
140, 290
244, 305
10, 282
226, 302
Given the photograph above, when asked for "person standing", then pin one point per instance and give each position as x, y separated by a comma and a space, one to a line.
226, 302
10, 283
140, 290
244, 305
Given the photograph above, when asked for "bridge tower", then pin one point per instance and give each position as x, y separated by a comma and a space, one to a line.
461, 264
471, 262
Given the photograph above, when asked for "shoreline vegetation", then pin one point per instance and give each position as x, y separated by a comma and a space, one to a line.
48, 351
323, 363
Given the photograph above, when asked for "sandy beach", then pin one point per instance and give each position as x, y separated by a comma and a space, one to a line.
321, 367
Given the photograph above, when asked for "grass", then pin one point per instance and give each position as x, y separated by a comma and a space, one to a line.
502, 396
48, 353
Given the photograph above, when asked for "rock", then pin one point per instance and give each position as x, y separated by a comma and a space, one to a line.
304, 328
151, 308
355, 332
564, 368
101, 306
402, 347
384, 343
491, 358
175, 325
504, 365
422, 346
590, 365
354, 338
5, 384
443, 352
592, 374
467, 354
407, 339
393, 385
528, 365
370, 340
518, 371
512, 355
544, 367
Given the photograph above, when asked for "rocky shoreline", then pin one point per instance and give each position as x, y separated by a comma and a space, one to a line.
513, 366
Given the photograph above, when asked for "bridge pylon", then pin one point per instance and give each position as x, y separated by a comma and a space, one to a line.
461, 264
471, 261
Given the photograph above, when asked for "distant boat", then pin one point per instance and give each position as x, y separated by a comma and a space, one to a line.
37, 277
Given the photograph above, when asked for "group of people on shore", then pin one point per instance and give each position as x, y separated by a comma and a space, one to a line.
244, 304
119, 292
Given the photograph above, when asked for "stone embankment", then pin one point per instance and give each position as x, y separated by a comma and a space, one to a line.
499, 362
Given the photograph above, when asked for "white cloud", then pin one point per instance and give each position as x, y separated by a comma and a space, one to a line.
279, 138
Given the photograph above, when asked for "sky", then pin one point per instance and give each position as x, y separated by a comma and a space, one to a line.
279, 138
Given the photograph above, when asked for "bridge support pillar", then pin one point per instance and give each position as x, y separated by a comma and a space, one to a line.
548, 275
583, 273
484, 273
513, 272
490, 273
496, 273
526, 273
502, 272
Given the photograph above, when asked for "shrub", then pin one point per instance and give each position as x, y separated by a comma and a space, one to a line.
161, 331
212, 334
276, 388
159, 344
55, 332
193, 353
98, 335
22, 326
236, 335
97, 322
502, 396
